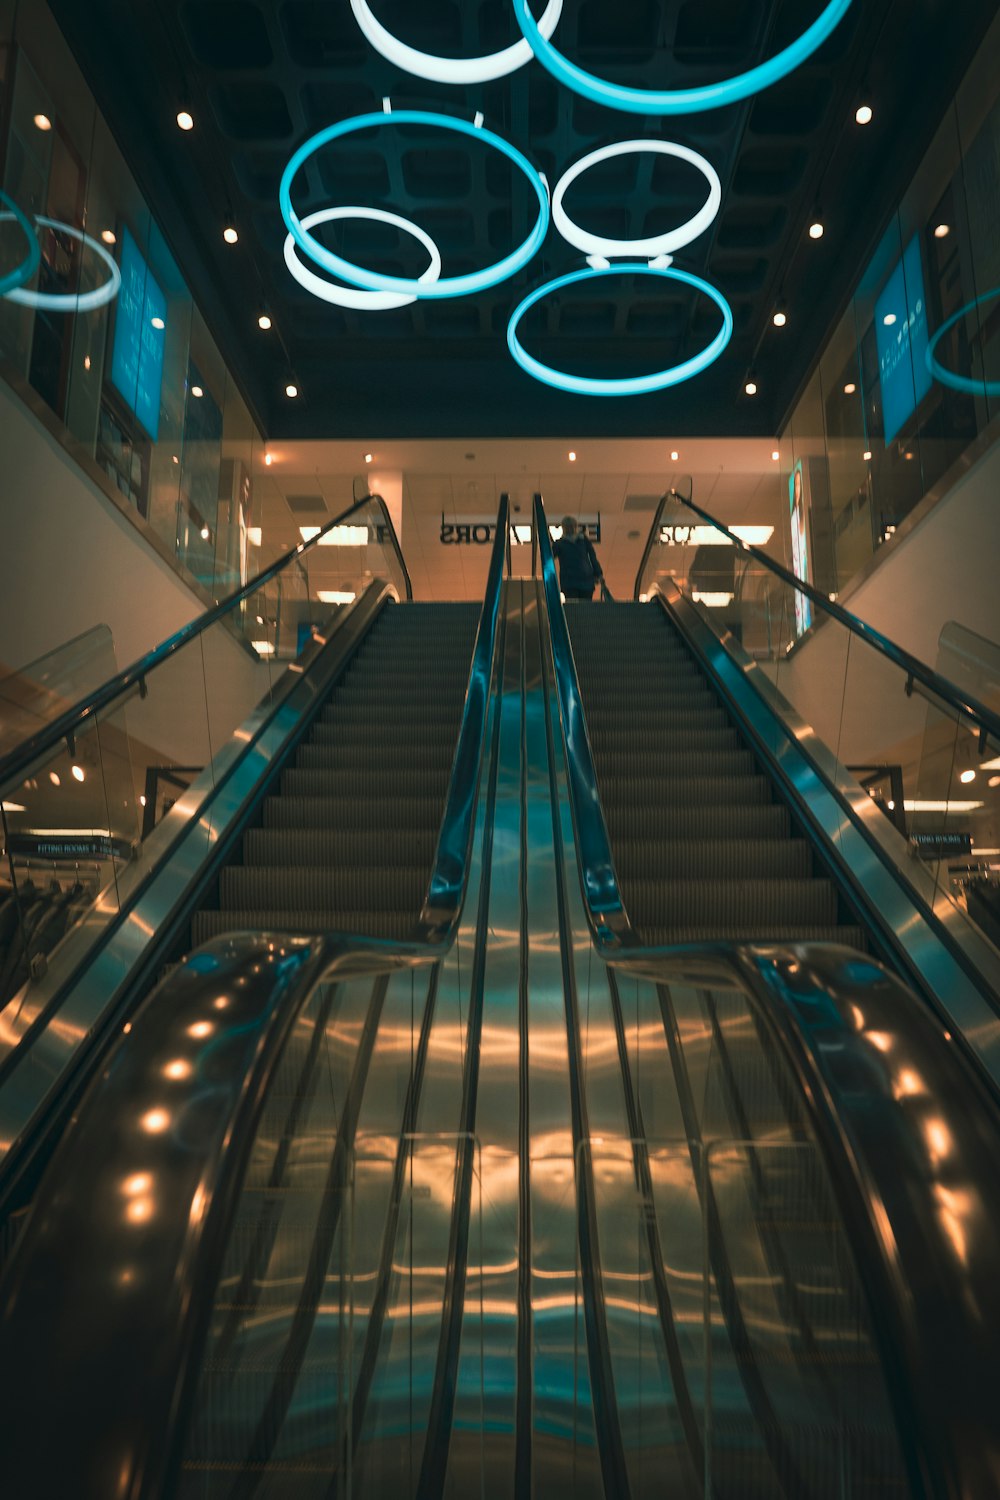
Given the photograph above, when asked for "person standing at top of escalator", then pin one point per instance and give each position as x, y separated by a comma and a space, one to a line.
579, 567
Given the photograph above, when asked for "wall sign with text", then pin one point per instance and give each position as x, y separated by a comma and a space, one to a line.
479, 531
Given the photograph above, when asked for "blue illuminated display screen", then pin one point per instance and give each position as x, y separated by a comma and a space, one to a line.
901, 339
137, 356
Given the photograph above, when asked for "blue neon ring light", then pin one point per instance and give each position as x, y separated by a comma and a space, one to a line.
450, 286
949, 378
679, 101
11, 280
633, 385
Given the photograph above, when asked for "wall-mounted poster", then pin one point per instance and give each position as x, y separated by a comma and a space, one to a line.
798, 500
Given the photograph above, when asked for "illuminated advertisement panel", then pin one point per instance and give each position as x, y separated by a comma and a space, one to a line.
797, 501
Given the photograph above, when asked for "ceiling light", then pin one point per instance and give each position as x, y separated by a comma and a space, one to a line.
336, 596
197, 392
109, 237
775, 455
653, 245
268, 459
780, 317
230, 234
571, 456
712, 600
864, 114
889, 319
79, 774
337, 536
816, 230
674, 456
451, 70
264, 321
867, 455
751, 387
941, 230
994, 781
933, 804
291, 390
966, 777
850, 388
86, 361
175, 459
185, 119
263, 648
368, 458
255, 535
204, 533
158, 324
55, 779
348, 296
43, 122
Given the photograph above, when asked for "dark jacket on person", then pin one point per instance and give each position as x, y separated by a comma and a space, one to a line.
579, 568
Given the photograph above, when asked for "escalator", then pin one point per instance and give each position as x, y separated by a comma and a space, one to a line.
613, 1189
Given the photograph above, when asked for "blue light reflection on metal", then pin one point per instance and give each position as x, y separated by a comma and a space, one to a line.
679, 101
449, 286
965, 383
11, 280
633, 385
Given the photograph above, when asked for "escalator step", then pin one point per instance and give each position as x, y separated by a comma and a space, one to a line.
642, 824
681, 791
305, 889
705, 859
671, 737
366, 781
641, 759
427, 755
342, 813
657, 936
736, 905
398, 925
413, 847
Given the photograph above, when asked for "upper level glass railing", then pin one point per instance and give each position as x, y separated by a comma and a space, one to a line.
925, 746
82, 796
39, 692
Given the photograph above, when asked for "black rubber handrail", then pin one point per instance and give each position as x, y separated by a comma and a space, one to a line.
986, 720
17, 762
72, 1286
856, 1040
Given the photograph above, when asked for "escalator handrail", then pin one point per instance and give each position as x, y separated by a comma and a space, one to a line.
18, 762
985, 719
240, 997
606, 914
838, 1017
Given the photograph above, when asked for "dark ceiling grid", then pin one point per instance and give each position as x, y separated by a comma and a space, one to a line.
263, 74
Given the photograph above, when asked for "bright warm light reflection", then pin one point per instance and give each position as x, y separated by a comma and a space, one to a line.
954, 1207
221, 1003
138, 1182
200, 1028
908, 1083
880, 1039
155, 1121
139, 1210
177, 1069
859, 1017
938, 1139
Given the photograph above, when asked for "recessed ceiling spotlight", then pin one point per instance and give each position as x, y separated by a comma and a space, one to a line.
291, 390
204, 533
674, 456
268, 459
79, 774
966, 777
108, 236
889, 319
230, 234
185, 119
941, 231
264, 320
43, 122
816, 230
864, 114
867, 455
158, 324
780, 317
368, 458
751, 387
775, 455
571, 456
197, 392
850, 388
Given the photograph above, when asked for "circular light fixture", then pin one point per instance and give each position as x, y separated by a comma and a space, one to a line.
230, 234
109, 237
948, 377
674, 456
350, 296
571, 456
966, 777
291, 390
453, 286
941, 231
268, 459
816, 230
634, 385
67, 301
43, 122
679, 101
780, 318
751, 387
11, 280
264, 321
653, 245
850, 388
204, 533
79, 774
864, 114
451, 69
867, 455
197, 392
158, 323
889, 319
185, 119
368, 458
775, 455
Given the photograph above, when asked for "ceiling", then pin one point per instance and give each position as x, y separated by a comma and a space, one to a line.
260, 76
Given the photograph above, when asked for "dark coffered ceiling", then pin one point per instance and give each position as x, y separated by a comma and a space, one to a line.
262, 75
